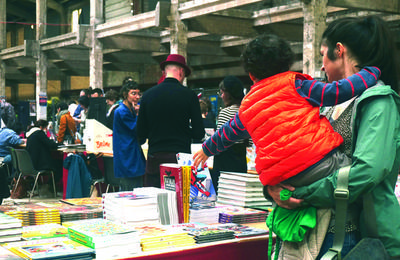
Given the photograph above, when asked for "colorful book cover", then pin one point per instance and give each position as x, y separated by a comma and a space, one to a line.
201, 186
54, 248
171, 178
83, 201
242, 230
97, 233
44, 231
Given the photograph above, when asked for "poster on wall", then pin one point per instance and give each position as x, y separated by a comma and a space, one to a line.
42, 105
32, 108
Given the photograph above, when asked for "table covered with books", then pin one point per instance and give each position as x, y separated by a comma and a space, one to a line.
142, 224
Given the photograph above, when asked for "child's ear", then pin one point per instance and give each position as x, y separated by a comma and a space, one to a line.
254, 79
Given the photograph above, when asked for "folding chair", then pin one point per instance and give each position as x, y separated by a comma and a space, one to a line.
109, 177
25, 168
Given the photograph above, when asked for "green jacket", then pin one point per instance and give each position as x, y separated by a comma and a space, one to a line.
376, 163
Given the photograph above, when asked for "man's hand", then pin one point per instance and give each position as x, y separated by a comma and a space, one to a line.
199, 158
291, 203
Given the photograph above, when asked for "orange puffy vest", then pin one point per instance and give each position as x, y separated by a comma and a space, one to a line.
288, 132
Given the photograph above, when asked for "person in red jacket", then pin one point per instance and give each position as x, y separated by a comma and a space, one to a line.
281, 115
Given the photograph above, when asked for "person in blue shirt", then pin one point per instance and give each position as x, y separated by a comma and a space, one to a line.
8, 138
129, 161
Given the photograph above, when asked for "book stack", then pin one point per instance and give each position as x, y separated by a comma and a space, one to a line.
241, 189
209, 233
242, 230
69, 212
44, 231
130, 208
53, 248
205, 213
10, 228
110, 240
157, 237
32, 214
167, 203
240, 215
5, 254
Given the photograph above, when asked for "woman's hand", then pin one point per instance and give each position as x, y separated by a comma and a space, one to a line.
199, 158
291, 203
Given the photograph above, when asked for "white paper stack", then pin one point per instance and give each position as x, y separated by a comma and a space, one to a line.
167, 203
204, 213
10, 228
241, 189
130, 208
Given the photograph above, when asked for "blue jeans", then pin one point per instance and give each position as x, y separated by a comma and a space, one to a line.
350, 240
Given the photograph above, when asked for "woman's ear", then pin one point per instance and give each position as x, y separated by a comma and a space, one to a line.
340, 49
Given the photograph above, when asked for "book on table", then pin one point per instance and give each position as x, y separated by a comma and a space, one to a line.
52, 248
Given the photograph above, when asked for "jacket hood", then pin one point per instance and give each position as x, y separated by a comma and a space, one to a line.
32, 130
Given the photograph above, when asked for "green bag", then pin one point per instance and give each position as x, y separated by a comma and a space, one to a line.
292, 224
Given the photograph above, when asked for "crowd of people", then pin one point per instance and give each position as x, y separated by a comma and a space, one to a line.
304, 130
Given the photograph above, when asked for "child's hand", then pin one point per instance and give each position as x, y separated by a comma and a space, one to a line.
199, 159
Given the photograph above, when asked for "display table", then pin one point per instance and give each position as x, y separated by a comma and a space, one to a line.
239, 248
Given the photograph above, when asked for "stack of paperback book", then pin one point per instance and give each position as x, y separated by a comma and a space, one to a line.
32, 214
240, 215
166, 201
110, 240
205, 213
158, 237
69, 212
53, 248
241, 189
5, 254
242, 230
130, 208
10, 228
209, 233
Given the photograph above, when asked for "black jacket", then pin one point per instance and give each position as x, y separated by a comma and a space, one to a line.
39, 147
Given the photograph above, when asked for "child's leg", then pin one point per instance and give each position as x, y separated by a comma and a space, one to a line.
322, 169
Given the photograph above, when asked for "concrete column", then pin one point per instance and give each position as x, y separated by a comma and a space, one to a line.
178, 32
3, 45
315, 12
41, 62
96, 50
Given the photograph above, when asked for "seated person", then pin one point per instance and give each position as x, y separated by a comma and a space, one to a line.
39, 147
8, 138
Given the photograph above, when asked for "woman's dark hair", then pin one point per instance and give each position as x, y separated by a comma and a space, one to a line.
267, 55
84, 101
233, 90
130, 84
62, 105
41, 123
111, 95
370, 42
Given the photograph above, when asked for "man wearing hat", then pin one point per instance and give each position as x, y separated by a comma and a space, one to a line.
169, 118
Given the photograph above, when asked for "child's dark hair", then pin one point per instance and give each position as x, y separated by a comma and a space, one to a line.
267, 55
370, 42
